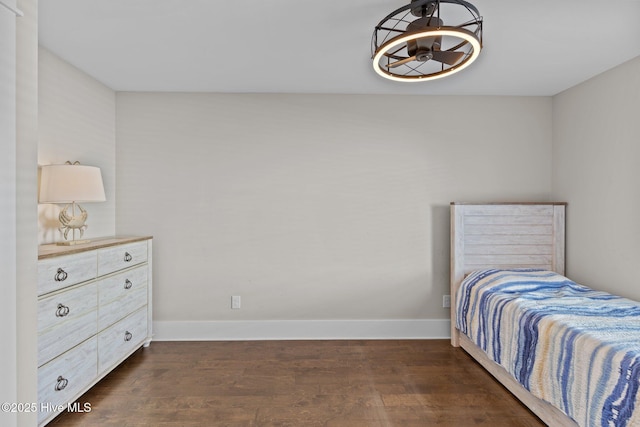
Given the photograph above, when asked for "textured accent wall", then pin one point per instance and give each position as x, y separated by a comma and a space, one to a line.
76, 122
315, 207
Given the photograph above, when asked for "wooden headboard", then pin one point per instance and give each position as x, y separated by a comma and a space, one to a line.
504, 235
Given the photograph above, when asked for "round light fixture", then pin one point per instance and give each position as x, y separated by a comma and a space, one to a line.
409, 50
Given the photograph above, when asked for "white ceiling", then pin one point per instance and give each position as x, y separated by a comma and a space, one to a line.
531, 47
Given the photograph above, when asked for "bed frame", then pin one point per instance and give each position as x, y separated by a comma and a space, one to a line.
506, 235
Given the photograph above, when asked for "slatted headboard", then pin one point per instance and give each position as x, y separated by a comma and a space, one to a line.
504, 235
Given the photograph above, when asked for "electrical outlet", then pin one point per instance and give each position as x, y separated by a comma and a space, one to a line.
235, 301
446, 301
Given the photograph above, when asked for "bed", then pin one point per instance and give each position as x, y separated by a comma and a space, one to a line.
509, 298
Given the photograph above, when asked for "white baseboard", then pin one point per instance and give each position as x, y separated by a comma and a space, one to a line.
249, 330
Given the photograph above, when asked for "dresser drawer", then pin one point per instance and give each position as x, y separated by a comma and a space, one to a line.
122, 338
118, 257
65, 320
60, 380
60, 272
120, 295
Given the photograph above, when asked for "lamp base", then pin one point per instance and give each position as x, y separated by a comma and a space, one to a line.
72, 222
73, 242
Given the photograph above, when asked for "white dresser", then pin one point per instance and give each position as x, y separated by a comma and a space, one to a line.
94, 310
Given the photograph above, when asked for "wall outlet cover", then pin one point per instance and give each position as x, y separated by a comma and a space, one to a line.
446, 301
235, 301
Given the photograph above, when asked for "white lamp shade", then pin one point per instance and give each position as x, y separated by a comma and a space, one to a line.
71, 183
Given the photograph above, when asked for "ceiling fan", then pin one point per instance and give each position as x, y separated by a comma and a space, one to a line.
429, 47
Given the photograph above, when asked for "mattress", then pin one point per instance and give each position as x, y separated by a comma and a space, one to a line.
572, 346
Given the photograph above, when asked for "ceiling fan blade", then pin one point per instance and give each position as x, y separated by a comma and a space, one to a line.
402, 61
429, 42
447, 57
424, 43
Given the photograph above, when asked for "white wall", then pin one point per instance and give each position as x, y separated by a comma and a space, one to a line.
315, 206
8, 324
76, 122
26, 244
596, 148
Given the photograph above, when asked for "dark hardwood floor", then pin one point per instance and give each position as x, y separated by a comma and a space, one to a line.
300, 383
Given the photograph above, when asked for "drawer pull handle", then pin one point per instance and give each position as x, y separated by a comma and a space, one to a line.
127, 257
62, 310
60, 276
61, 383
128, 284
127, 336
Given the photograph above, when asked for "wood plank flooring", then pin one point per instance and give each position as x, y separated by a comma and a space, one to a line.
300, 383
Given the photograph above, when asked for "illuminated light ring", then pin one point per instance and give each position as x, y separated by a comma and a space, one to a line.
460, 33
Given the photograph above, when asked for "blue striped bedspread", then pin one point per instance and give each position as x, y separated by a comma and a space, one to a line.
569, 345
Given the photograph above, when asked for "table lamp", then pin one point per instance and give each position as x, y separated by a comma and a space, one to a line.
71, 183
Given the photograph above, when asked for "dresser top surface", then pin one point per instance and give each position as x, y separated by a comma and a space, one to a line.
52, 250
